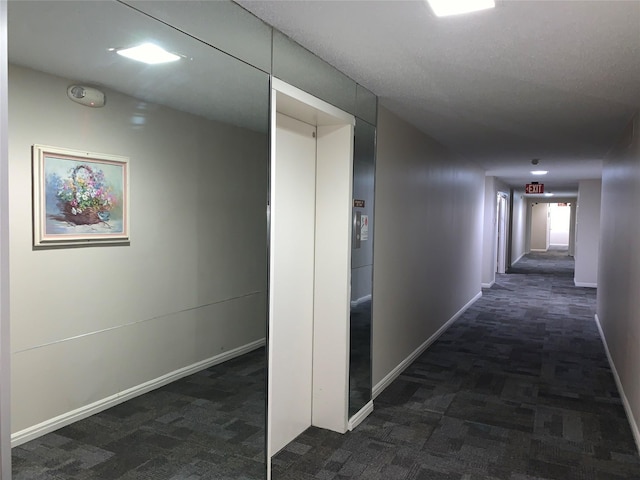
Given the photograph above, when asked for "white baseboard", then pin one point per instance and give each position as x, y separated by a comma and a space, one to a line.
488, 285
68, 418
395, 373
355, 303
518, 259
361, 415
539, 250
584, 284
627, 408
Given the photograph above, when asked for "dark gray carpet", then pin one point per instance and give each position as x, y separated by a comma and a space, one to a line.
207, 426
519, 388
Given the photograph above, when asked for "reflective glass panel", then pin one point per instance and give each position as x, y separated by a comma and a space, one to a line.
178, 314
362, 267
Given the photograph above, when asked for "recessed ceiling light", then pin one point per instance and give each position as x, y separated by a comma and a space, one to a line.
444, 8
149, 53
539, 172
548, 194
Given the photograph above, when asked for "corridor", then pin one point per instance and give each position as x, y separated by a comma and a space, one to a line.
519, 388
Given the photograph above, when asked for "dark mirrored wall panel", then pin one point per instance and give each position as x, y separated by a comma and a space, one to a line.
148, 354
221, 23
301, 68
362, 267
366, 105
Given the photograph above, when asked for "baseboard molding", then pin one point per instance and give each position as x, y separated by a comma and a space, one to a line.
355, 303
627, 408
68, 418
539, 250
519, 258
395, 373
361, 415
584, 284
488, 285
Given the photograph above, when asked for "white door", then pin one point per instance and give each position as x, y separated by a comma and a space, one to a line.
292, 279
501, 216
539, 227
559, 225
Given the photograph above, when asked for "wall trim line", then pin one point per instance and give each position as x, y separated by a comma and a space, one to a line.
584, 284
635, 429
488, 285
519, 258
81, 413
359, 417
401, 367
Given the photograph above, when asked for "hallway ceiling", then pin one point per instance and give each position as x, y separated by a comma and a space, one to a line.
553, 80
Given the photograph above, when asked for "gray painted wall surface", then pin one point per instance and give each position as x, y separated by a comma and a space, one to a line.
5, 347
619, 269
189, 287
428, 255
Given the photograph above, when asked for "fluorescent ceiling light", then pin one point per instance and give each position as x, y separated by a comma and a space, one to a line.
149, 53
539, 172
444, 8
548, 194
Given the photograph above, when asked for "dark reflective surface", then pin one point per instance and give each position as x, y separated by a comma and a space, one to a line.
366, 106
362, 267
301, 68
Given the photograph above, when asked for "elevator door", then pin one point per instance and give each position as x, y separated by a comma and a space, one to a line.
294, 184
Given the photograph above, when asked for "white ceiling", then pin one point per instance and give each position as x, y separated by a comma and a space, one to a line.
554, 80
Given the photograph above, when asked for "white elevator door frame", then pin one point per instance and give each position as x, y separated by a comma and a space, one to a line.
309, 266
293, 255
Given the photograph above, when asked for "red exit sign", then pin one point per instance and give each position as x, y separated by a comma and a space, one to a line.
534, 188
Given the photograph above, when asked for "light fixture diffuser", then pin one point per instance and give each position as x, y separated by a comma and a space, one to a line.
148, 53
539, 172
445, 8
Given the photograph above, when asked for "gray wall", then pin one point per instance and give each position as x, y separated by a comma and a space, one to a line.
190, 287
619, 269
428, 255
5, 347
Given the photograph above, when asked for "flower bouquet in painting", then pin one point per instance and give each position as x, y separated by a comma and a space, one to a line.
85, 198
79, 197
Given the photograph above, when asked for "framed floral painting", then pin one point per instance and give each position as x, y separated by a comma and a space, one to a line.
79, 198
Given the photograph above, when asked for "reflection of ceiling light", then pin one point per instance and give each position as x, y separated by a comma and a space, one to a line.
444, 8
539, 172
148, 53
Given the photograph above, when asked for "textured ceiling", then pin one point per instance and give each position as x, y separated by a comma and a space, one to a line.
554, 80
